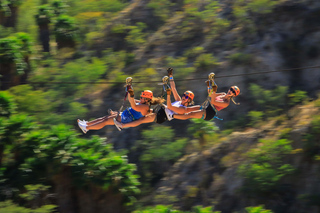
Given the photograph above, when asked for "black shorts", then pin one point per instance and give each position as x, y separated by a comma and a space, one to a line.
161, 116
210, 113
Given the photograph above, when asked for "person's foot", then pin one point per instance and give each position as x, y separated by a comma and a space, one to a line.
111, 112
84, 122
82, 126
117, 124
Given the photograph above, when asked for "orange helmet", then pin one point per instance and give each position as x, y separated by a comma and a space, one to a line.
147, 94
189, 94
235, 89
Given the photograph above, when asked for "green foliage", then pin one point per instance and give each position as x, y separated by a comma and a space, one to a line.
181, 69
161, 8
5, 31
10, 207
25, 43
11, 53
33, 191
80, 6
119, 28
257, 209
265, 167
272, 102
170, 209
4, 7
311, 145
159, 150
42, 151
194, 52
7, 104
297, 97
241, 58
44, 15
59, 7
136, 37
262, 6
255, 117
65, 29
199, 127
206, 61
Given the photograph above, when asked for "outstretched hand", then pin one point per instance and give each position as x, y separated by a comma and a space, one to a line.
215, 88
170, 71
130, 91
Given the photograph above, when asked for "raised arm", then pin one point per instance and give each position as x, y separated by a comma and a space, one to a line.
173, 85
179, 110
137, 107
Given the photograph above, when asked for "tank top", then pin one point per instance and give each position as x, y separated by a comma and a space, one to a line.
220, 99
170, 113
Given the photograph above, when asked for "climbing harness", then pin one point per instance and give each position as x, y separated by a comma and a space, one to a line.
207, 102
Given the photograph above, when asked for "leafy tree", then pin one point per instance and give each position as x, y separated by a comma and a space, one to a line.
257, 209
59, 7
200, 128
159, 151
273, 102
310, 143
136, 37
161, 8
205, 61
264, 168
10, 207
43, 19
11, 61
65, 31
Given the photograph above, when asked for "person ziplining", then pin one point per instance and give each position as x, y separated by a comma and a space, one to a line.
180, 106
137, 109
140, 111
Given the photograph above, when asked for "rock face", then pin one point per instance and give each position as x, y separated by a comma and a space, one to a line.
211, 177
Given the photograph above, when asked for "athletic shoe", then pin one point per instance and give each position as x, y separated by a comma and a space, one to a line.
84, 122
117, 124
82, 127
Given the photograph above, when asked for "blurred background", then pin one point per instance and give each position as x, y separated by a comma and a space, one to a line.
61, 60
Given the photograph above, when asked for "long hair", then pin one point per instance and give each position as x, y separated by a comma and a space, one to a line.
155, 101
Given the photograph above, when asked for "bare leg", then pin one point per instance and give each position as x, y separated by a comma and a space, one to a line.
146, 119
98, 120
193, 114
102, 122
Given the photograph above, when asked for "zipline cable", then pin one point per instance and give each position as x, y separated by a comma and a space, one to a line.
189, 79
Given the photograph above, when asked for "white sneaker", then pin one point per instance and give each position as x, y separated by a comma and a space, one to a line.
117, 124
82, 127
84, 122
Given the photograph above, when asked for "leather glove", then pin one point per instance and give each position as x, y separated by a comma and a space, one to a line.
168, 91
215, 88
130, 91
170, 71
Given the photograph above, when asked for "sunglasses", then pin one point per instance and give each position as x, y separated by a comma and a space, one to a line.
232, 90
185, 96
143, 98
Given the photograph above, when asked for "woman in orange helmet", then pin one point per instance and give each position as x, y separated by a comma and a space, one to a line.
138, 109
180, 106
217, 102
